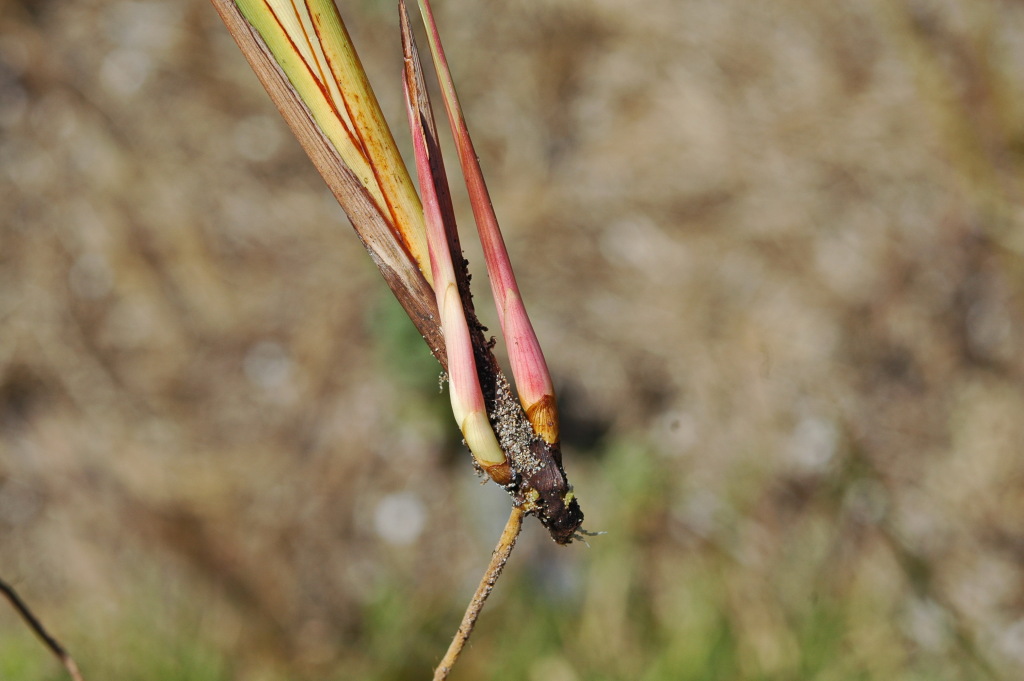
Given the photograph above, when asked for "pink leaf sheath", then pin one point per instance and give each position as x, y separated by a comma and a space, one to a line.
467, 397
530, 370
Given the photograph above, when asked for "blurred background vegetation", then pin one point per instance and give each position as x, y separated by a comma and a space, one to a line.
775, 255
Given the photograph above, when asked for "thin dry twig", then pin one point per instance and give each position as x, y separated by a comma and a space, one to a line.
494, 569
36, 626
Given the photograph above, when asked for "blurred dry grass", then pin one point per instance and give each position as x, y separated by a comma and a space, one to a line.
774, 252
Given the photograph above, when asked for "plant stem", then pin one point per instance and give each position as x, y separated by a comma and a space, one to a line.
494, 569
37, 627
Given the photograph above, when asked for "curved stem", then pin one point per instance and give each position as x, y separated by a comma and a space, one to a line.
494, 569
39, 630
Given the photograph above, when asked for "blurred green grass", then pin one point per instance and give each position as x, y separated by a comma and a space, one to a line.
629, 609
774, 255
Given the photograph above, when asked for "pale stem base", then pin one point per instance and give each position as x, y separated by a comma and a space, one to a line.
497, 564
